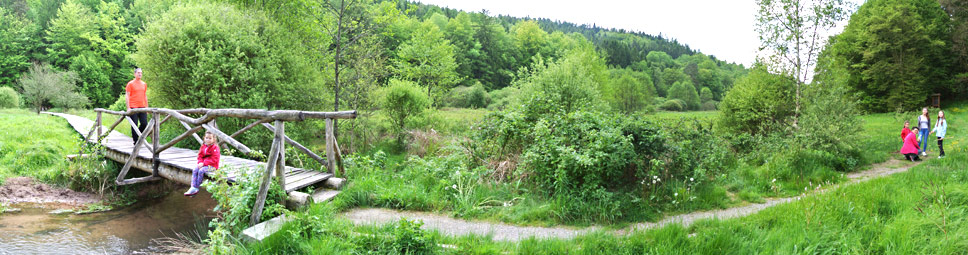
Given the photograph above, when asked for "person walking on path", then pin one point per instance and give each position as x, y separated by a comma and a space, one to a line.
924, 125
136, 98
910, 148
941, 127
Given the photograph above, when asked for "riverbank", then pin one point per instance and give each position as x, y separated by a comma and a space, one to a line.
22, 191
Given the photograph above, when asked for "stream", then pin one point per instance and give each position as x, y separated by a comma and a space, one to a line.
126, 230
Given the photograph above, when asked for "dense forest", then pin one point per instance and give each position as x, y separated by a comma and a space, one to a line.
452, 54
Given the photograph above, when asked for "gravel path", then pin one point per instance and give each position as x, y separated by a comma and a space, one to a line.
504, 232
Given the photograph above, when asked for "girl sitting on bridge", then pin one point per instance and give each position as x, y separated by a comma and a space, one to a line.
208, 158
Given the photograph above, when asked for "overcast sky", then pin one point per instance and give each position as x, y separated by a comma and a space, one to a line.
723, 28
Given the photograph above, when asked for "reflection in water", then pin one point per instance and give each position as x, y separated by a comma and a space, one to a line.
128, 230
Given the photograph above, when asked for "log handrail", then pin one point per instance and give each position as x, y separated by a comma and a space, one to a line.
276, 157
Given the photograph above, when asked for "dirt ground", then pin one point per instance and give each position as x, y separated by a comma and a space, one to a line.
19, 190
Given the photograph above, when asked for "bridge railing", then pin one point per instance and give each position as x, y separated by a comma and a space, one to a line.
207, 121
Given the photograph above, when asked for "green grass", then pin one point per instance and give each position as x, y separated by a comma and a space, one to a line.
35, 145
922, 211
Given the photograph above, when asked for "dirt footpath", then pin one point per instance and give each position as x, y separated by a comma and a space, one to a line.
26, 190
504, 232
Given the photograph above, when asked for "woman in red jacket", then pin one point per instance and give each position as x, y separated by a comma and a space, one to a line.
910, 148
208, 156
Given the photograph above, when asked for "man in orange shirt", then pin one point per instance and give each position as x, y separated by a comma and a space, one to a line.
135, 94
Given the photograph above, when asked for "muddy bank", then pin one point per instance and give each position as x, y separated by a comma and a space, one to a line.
25, 190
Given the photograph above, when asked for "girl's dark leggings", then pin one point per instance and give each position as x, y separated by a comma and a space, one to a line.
912, 157
941, 146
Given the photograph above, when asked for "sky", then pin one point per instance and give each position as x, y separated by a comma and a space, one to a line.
722, 28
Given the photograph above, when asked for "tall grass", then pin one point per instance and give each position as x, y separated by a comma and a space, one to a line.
35, 145
921, 211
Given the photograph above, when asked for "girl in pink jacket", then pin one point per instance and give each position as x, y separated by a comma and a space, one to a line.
910, 148
208, 156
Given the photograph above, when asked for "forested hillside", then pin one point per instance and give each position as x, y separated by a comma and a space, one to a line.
452, 54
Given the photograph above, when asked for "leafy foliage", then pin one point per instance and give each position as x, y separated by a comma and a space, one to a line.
235, 203
758, 102
9, 98
44, 87
17, 40
402, 101
896, 53
684, 90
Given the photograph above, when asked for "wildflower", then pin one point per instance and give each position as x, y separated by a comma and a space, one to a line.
774, 180
690, 178
676, 195
454, 186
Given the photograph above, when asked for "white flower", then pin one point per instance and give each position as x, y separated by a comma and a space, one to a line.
454, 186
457, 172
774, 180
690, 178
676, 195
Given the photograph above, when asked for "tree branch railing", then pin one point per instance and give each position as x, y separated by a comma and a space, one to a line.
276, 160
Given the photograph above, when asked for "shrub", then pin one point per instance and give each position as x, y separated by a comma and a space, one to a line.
9, 98
685, 91
758, 102
235, 203
403, 100
468, 97
710, 105
214, 55
674, 105
120, 105
44, 87
560, 87
501, 98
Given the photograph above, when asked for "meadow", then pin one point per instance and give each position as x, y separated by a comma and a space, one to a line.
920, 211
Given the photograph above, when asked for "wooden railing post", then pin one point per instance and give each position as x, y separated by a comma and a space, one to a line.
97, 124
330, 151
155, 161
260, 199
281, 162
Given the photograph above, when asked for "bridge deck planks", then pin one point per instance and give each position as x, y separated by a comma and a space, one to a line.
185, 159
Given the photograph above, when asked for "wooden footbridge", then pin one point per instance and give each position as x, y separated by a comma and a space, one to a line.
164, 161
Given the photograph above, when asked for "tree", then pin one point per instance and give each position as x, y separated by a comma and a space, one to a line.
216, 56
629, 91
341, 31
43, 87
70, 34
685, 91
16, 43
530, 38
958, 10
428, 59
758, 102
95, 46
793, 32
460, 31
403, 100
896, 53
499, 58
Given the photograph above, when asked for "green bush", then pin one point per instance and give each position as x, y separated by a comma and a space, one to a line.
44, 87
235, 203
685, 91
560, 87
403, 100
214, 55
501, 98
9, 98
120, 105
674, 105
758, 102
468, 97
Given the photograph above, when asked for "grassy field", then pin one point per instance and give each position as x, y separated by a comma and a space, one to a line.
921, 211
35, 145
